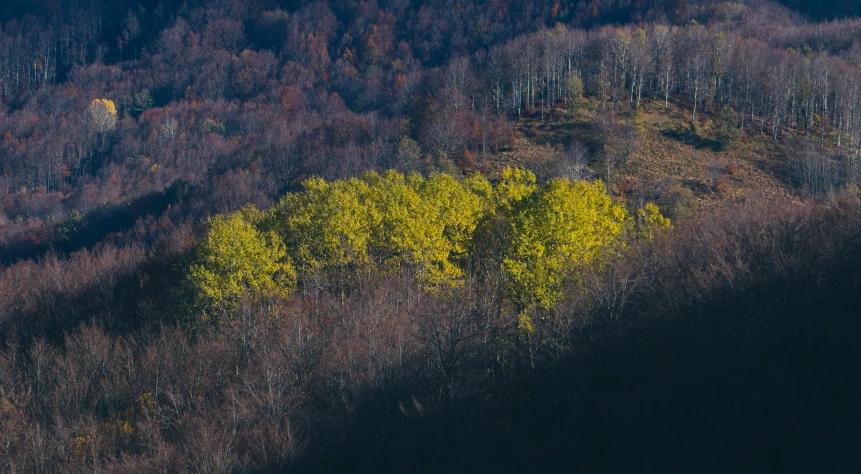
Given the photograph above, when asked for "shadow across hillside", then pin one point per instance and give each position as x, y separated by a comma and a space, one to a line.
687, 136
759, 372
78, 232
740, 399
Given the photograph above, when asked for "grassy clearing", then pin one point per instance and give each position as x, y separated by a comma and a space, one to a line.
686, 170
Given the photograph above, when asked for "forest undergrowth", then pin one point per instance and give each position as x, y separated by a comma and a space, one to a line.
683, 353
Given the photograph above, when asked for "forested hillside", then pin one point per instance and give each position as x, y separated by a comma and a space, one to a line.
391, 236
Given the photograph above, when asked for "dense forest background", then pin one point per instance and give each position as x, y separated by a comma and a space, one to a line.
725, 341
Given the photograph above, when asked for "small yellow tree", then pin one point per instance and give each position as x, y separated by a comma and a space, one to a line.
651, 222
102, 114
102, 117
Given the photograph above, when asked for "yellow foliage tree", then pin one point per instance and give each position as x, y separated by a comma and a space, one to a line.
102, 114
456, 207
236, 258
425, 223
651, 221
555, 230
326, 224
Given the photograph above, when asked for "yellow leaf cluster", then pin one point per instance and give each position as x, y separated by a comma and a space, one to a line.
106, 105
539, 235
383, 221
236, 258
326, 224
102, 114
553, 231
81, 446
652, 222
516, 184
